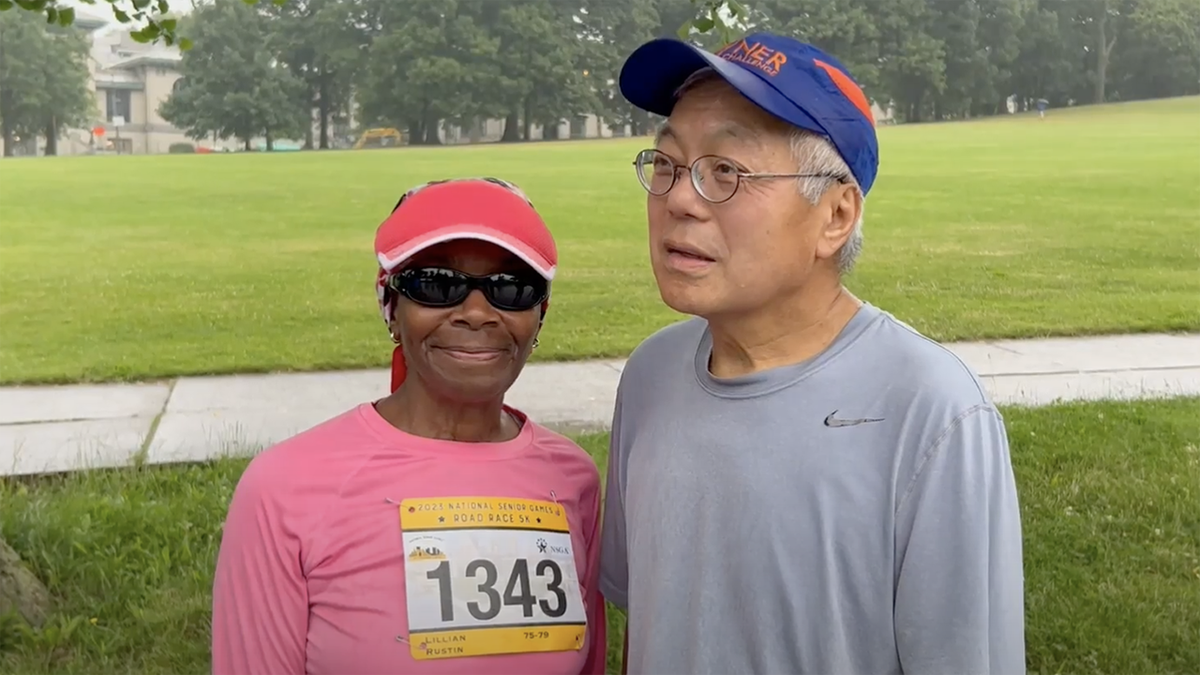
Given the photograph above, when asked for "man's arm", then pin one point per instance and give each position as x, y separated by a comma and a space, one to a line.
597, 618
614, 565
959, 604
260, 598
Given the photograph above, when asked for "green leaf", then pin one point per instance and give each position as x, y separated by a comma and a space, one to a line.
120, 16
704, 25
6, 5
168, 25
141, 4
51, 15
737, 9
66, 16
685, 30
184, 44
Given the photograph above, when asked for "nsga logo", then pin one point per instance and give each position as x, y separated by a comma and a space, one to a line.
754, 55
427, 548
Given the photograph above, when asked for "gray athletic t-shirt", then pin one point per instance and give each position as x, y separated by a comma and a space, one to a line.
855, 513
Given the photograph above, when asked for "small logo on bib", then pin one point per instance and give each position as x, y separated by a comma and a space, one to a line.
426, 548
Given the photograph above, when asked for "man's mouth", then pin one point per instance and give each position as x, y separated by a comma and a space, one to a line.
687, 256
689, 252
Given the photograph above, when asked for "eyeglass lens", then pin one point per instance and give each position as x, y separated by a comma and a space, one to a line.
715, 178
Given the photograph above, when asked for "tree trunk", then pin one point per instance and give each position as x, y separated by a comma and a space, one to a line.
308, 130
6, 133
512, 128
51, 137
1103, 51
270, 141
527, 119
324, 110
639, 123
20, 589
432, 126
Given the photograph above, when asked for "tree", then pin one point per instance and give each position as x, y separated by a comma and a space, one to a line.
541, 64
431, 62
160, 24
847, 30
1001, 24
1050, 59
43, 80
1158, 54
611, 30
322, 43
230, 85
1102, 20
714, 17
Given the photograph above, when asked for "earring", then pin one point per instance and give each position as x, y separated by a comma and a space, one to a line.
395, 339
535, 343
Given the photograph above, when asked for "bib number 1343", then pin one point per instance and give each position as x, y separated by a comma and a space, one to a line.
486, 575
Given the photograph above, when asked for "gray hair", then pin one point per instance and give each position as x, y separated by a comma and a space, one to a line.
814, 154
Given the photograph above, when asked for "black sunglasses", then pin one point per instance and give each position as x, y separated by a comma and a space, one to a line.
442, 287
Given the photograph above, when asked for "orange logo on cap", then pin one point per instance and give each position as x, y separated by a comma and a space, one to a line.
755, 55
848, 89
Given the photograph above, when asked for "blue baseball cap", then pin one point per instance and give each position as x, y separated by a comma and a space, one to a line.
794, 81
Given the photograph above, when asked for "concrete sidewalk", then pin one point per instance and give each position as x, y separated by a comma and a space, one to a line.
50, 429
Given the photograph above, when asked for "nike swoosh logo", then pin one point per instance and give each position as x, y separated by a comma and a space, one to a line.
833, 421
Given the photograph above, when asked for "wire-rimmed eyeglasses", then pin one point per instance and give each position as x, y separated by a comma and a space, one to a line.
716, 179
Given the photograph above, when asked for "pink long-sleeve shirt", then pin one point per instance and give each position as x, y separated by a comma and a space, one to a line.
354, 547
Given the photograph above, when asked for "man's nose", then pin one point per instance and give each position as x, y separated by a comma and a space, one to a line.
683, 201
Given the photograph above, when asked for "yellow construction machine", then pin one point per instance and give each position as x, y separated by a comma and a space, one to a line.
379, 138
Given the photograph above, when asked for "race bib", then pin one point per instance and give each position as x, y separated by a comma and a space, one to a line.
489, 575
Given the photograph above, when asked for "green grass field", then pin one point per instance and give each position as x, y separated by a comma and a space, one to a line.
141, 267
1108, 497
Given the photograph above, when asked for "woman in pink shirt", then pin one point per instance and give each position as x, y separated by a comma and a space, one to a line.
435, 530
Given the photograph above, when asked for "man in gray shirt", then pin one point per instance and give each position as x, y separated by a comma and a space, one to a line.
798, 482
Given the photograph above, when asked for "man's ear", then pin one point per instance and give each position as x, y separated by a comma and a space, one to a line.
844, 204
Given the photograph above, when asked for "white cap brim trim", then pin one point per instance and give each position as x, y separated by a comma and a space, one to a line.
392, 259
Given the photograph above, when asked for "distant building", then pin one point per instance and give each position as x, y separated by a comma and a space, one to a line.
130, 80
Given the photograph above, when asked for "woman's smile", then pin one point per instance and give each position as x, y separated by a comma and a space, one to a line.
472, 354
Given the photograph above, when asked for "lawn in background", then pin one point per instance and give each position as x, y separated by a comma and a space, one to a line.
149, 266
1108, 498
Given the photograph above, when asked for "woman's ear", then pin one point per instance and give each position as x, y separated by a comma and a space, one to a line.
393, 323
